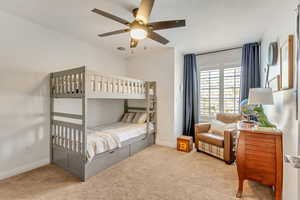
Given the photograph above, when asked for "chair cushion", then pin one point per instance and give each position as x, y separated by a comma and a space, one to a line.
211, 138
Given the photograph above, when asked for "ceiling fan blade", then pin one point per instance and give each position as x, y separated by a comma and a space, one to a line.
158, 38
167, 24
110, 16
114, 32
133, 43
144, 10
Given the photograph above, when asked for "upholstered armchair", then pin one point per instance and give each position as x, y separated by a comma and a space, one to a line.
216, 144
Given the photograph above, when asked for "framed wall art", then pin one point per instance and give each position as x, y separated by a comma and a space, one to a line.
287, 63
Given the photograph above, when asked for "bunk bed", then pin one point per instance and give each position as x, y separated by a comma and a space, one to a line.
69, 142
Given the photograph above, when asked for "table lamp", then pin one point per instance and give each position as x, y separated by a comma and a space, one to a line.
261, 96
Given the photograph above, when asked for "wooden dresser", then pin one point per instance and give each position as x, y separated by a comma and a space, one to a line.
259, 158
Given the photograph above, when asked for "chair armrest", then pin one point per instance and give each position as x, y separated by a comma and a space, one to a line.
229, 136
200, 128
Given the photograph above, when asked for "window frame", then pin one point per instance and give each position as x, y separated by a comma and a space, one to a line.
221, 69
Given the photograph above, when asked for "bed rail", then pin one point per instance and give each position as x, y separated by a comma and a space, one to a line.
103, 86
79, 82
68, 83
68, 136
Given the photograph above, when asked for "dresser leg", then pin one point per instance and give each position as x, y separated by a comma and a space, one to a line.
278, 193
240, 190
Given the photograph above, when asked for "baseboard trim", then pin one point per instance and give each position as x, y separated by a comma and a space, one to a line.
165, 143
20, 170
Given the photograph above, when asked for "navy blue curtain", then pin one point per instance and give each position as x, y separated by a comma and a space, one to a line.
190, 94
250, 77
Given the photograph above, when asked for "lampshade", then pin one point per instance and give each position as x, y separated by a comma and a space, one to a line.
262, 96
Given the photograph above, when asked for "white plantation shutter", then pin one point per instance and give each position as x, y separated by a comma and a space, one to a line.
219, 91
209, 92
232, 90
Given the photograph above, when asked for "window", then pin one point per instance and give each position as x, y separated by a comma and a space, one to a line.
219, 90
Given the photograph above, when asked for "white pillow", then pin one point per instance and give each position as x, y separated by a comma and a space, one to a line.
136, 117
218, 127
142, 118
130, 117
124, 117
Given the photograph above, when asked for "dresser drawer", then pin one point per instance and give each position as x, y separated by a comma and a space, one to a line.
265, 148
260, 143
257, 138
260, 156
264, 166
260, 137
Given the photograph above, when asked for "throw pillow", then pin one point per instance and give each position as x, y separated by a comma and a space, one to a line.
130, 117
124, 117
218, 127
142, 118
136, 118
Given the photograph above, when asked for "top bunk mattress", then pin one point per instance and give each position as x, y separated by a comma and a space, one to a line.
111, 136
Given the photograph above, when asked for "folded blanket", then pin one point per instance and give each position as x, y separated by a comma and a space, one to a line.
110, 136
99, 142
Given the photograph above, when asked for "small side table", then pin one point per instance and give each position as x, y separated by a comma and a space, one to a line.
185, 143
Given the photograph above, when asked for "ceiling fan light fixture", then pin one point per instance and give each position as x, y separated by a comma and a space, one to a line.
140, 28
138, 33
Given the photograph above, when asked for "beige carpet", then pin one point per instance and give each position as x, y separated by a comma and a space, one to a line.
157, 173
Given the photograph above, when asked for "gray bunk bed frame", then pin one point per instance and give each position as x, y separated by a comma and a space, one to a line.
68, 141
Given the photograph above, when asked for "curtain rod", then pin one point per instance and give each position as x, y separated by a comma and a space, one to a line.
222, 50
217, 51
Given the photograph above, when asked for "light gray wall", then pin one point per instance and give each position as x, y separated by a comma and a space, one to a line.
178, 93
100, 111
159, 66
283, 112
28, 53
220, 59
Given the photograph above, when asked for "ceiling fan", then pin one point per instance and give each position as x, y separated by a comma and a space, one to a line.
140, 28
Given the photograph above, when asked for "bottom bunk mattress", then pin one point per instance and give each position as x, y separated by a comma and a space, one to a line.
108, 137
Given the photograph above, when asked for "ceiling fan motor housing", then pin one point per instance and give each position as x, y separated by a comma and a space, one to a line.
138, 25
134, 12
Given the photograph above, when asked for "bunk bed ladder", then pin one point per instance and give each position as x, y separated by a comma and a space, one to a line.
148, 102
151, 108
154, 102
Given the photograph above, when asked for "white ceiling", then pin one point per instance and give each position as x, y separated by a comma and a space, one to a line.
211, 24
